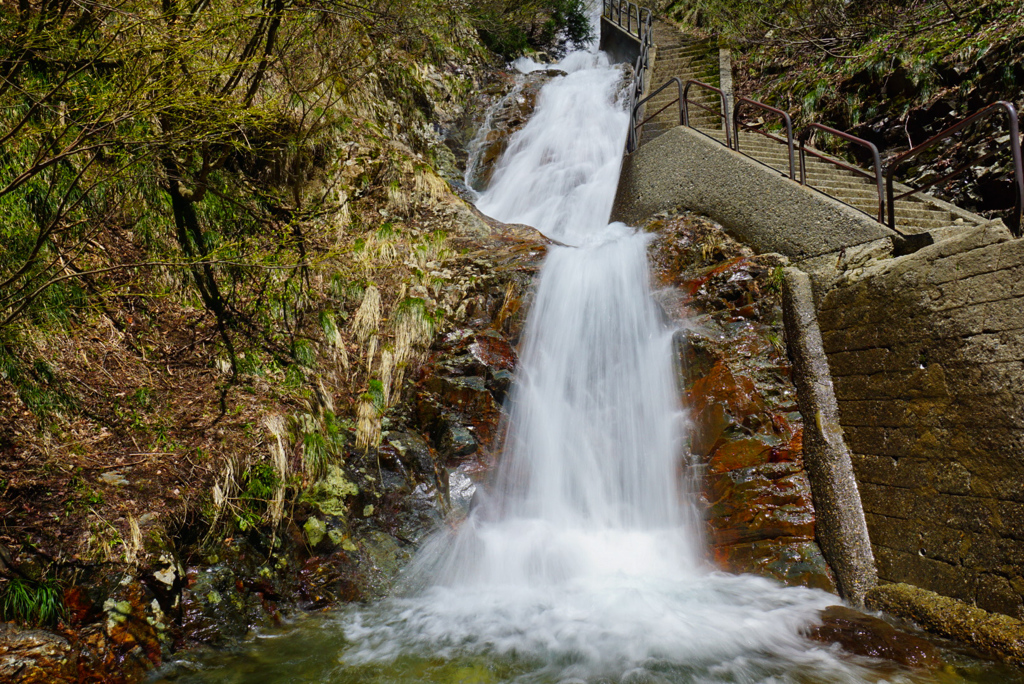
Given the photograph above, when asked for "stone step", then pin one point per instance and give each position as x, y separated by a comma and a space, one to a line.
685, 71
697, 58
687, 50
910, 210
686, 58
910, 216
694, 105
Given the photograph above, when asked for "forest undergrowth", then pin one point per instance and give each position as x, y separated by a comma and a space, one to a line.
224, 238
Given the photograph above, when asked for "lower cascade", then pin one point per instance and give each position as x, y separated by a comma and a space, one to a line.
583, 561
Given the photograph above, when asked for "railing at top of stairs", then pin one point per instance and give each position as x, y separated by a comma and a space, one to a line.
613, 10
886, 193
1013, 120
638, 23
638, 20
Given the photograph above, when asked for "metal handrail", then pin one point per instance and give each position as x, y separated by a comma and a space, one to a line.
633, 115
736, 125
722, 114
805, 150
1015, 152
612, 10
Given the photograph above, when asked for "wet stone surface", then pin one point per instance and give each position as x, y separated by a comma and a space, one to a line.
865, 635
747, 437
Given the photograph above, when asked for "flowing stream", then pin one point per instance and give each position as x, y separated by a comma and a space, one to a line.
583, 562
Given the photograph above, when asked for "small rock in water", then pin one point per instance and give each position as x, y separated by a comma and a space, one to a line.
869, 636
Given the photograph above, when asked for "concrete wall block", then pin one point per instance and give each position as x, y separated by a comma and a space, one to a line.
970, 239
861, 312
966, 513
999, 478
996, 593
1010, 519
937, 474
965, 265
919, 383
891, 533
927, 573
985, 363
891, 502
895, 443
1005, 314
1006, 283
895, 358
917, 414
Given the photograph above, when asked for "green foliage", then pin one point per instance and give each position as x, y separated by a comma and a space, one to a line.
37, 386
40, 604
375, 395
511, 28
260, 481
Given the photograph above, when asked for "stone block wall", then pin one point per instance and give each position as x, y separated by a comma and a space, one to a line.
927, 355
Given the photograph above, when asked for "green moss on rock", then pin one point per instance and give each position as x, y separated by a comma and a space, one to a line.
329, 494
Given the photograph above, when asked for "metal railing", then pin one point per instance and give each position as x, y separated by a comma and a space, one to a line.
639, 22
613, 10
722, 113
877, 176
1018, 172
635, 129
786, 118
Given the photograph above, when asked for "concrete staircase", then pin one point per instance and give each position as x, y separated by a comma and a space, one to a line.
913, 215
676, 55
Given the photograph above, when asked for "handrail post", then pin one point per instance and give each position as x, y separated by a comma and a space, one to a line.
679, 86
890, 196
684, 105
736, 122
878, 181
1018, 170
789, 141
803, 163
725, 119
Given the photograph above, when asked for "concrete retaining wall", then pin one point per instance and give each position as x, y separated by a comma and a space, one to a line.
927, 358
620, 46
756, 204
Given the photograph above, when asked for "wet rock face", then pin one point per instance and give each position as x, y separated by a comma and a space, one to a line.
511, 114
35, 657
869, 636
748, 434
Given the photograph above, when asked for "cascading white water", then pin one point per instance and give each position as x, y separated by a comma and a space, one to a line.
559, 172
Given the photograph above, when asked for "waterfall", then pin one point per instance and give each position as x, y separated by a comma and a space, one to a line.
583, 560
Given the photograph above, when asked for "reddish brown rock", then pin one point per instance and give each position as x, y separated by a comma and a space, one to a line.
747, 433
740, 453
33, 656
792, 561
865, 635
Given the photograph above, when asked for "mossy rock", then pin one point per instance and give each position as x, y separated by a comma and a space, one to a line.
329, 494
